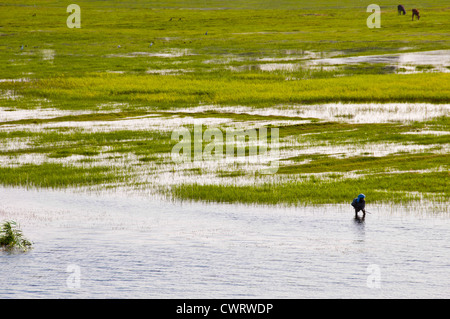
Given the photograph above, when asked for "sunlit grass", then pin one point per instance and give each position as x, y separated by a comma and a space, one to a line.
267, 90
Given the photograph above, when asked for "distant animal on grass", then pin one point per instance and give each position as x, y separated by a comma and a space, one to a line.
415, 12
401, 9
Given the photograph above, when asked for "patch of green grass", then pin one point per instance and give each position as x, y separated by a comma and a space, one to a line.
426, 67
63, 144
335, 133
65, 152
370, 164
237, 117
168, 92
393, 188
235, 173
49, 175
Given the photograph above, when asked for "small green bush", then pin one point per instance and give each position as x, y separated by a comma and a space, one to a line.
11, 237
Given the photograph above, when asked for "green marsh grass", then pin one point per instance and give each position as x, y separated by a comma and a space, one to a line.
266, 90
371, 164
108, 65
393, 188
48, 175
153, 147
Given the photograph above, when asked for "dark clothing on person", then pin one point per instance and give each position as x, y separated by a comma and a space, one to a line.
359, 204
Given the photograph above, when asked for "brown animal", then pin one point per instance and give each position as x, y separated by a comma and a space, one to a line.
415, 12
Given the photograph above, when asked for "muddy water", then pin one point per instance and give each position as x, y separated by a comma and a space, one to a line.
129, 246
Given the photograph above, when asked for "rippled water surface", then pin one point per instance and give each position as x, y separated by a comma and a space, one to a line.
123, 246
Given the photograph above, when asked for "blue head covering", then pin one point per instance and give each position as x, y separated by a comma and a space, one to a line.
360, 196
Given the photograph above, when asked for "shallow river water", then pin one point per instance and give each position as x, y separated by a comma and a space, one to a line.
129, 246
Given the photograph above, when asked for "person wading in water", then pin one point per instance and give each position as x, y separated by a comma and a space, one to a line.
359, 204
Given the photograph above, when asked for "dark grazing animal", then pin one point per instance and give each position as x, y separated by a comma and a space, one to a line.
415, 12
401, 9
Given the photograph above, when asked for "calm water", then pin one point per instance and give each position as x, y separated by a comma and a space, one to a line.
120, 246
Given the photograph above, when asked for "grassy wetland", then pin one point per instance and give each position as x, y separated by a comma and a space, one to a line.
358, 110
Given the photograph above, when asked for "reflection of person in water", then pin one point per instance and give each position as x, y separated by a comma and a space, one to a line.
359, 204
